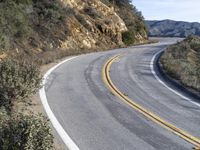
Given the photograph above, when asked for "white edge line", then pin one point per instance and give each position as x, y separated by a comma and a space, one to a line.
64, 136
163, 83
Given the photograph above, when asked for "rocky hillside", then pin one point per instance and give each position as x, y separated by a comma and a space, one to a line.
182, 62
137, 30
47, 29
170, 28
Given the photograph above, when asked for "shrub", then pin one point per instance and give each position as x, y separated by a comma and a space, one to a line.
128, 38
91, 12
22, 132
3, 115
18, 80
4, 42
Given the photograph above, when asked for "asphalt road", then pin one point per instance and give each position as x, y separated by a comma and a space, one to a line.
96, 119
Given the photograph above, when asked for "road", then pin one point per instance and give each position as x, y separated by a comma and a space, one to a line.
97, 119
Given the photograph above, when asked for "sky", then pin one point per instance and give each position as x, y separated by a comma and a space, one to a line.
180, 10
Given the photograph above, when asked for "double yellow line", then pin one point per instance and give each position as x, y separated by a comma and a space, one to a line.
106, 77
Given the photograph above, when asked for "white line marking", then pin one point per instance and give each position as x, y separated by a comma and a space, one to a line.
162, 82
64, 136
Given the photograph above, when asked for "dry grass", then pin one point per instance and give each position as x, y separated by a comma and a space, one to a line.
182, 62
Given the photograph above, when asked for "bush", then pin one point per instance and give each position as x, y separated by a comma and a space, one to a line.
22, 132
128, 38
3, 115
18, 80
92, 12
4, 43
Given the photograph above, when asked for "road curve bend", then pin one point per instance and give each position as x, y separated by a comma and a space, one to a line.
96, 118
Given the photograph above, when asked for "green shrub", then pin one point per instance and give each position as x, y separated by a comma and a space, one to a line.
18, 80
23, 132
3, 115
4, 42
128, 38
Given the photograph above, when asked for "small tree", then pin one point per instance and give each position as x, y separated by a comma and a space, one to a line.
18, 80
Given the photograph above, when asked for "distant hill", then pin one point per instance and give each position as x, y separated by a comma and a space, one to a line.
170, 28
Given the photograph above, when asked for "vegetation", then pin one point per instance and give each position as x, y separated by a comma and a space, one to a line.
133, 20
182, 62
22, 132
34, 31
18, 81
13, 23
23, 21
128, 38
35, 28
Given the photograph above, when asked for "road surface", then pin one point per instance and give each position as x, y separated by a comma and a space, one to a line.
97, 119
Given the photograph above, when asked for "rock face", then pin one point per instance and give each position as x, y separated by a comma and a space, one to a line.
170, 28
93, 25
47, 28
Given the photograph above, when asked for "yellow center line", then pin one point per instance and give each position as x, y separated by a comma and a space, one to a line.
107, 80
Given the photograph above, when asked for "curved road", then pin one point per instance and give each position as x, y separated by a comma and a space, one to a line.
96, 119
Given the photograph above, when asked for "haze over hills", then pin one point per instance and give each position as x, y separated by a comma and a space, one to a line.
171, 28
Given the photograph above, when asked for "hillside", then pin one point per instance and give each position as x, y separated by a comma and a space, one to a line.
137, 30
170, 28
48, 29
182, 62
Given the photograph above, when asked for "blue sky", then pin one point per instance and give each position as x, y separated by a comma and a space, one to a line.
182, 10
